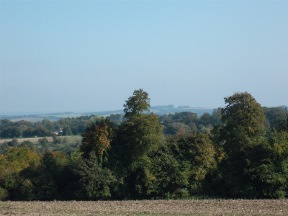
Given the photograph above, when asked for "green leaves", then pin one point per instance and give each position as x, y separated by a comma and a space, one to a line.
256, 163
96, 138
138, 137
94, 181
243, 119
137, 104
132, 159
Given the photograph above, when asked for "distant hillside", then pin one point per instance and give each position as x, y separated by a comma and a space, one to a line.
159, 110
40, 117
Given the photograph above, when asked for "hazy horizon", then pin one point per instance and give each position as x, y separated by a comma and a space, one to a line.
95, 111
86, 56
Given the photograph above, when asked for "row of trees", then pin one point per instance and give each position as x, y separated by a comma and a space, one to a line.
173, 124
66, 126
239, 157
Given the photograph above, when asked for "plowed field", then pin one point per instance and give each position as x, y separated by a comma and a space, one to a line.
145, 207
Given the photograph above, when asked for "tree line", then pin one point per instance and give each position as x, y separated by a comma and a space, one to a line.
236, 152
26, 129
174, 123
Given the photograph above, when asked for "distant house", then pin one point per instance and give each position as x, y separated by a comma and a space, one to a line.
58, 133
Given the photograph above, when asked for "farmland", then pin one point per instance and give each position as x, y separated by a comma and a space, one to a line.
63, 144
35, 140
156, 207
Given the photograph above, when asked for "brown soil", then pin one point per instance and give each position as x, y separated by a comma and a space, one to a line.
145, 207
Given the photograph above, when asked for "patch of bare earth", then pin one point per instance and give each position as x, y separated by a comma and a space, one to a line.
147, 207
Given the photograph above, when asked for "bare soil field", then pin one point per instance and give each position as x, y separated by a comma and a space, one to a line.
145, 207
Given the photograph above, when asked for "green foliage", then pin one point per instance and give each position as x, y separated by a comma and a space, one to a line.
185, 123
253, 166
43, 141
274, 171
116, 119
197, 156
94, 182
130, 158
73, 126
137, 137
15, 161
96, 138
64, 144
243, 120
136, 104
49, 177
66, 126
277, 118
171, 176
260, 170
3, 194
47, 181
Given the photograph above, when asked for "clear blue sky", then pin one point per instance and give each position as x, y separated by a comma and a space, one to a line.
58, 56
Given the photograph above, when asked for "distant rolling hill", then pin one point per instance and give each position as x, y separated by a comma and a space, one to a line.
159, 110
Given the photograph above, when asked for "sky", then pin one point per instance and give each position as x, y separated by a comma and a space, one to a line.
84, 56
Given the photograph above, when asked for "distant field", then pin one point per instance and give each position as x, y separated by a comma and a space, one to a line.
70, 139
20, 140
145, 208
64, 144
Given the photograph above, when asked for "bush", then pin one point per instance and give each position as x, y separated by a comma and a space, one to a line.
3, 194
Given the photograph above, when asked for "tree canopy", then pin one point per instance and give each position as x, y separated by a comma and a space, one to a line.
239, 151
138, 103
243, 120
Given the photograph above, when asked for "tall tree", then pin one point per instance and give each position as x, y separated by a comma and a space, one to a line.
243, 120
91, 172
138, 136
96, 139
241, 135
138, 103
